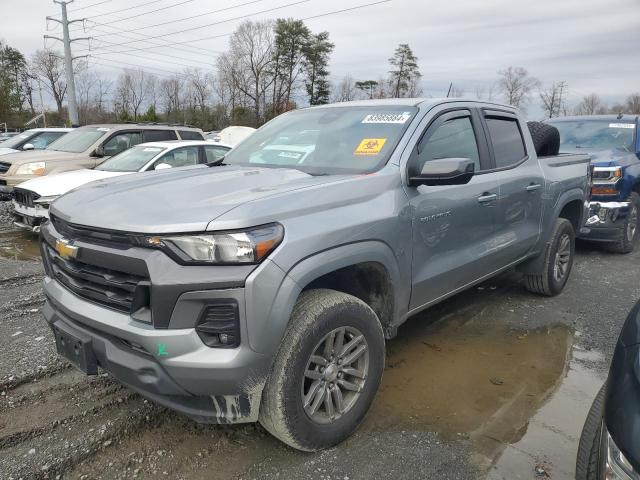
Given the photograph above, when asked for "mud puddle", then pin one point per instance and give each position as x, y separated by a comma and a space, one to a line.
19, 245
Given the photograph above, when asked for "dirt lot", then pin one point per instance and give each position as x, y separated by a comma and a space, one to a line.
493, 383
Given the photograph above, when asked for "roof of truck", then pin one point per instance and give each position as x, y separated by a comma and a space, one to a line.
607, 118
409, 102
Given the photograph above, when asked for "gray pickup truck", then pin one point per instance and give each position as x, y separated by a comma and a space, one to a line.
265, 289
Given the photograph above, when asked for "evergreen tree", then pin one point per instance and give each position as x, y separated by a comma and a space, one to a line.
291, 36
405, 72
316, 61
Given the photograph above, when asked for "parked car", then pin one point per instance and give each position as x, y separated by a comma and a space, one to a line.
608, 448
6, 135
32, 198
614, 145
34, 139
265, 292
231, 135
85, 147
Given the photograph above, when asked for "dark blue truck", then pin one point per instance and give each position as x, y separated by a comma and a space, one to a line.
614, 145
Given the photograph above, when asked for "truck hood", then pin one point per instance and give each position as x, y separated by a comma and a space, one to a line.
612, 158
61, 183
6, 151
185, 200
20, 158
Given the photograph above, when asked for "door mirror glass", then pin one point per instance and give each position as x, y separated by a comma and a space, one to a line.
445, 171
162, 166
28, 146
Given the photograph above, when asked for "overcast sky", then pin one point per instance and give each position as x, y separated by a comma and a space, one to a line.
591, 44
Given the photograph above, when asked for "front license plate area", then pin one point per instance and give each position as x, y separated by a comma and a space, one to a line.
76, 349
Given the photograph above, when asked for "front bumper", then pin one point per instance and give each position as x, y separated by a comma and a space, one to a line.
29, 218
605, 220
209, 384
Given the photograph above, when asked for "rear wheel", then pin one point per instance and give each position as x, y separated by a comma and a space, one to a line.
629, 229
326, 373
587, 463
558, 261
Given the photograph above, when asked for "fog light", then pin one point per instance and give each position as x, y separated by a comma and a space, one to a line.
219, 325
602, 214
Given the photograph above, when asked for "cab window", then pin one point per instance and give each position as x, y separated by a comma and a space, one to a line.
214, 152
507, 141
455, 138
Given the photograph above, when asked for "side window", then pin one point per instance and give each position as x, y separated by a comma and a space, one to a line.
180, 157
453, 139
507, 141
121, 142
43, 140
214, 152
190, 135
159, 135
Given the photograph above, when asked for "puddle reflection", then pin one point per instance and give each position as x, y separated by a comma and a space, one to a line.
19, 245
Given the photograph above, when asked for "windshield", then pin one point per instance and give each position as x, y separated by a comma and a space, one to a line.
15, 141
323, 141
131, 160
594, 135
78, 140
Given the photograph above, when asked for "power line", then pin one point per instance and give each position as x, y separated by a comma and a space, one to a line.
89, 6
165, 73
219, 22
146, 13
186, 18
118, 11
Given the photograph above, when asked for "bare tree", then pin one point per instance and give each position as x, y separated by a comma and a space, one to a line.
132, 90
49, 66
632, 104
171, 97
589, 105
552, 99
248, 63
483, 93
516, 86
456, 92
345, 90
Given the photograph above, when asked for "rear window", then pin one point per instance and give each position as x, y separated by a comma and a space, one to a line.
507, 141
159, 135
190, 135
595, 135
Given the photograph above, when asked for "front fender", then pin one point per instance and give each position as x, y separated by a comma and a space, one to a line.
266, 326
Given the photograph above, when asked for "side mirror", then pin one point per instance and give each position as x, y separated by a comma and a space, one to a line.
162, 166
28, 146
99, 151
446, 171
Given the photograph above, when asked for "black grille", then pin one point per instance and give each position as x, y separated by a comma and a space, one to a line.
78, 232
4, 167
25, 197
121, 291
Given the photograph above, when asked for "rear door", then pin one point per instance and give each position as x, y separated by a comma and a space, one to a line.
519, 211
453, 225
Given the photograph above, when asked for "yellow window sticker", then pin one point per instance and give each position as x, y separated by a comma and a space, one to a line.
370, 146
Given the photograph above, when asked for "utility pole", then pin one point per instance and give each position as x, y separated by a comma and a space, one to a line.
68, 59
562, 85
44, 114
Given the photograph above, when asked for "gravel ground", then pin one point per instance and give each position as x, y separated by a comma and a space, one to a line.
458, 392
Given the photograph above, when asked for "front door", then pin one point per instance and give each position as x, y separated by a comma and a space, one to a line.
453, 225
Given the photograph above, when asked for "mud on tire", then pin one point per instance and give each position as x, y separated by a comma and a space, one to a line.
546, 138
562, 243
316, 315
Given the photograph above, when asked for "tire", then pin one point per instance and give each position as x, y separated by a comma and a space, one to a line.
587, 462
559, 255
546, 138
629, 229
316, 315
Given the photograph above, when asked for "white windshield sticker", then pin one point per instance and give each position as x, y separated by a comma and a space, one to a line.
622, 125
103, 129
290, 155
151, 149
387, 117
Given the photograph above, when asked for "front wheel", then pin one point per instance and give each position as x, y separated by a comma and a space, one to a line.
629, 228
326, 373
587, 466
558, 261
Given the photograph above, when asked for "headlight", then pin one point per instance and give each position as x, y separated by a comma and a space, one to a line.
618, 467
607, 174
234, 247
45, 201
35, 168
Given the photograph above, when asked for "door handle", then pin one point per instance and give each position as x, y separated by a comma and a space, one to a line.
487, 197
533, 187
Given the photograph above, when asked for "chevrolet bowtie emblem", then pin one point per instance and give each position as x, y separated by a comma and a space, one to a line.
65, 249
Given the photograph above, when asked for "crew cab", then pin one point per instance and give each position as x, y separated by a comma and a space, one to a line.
614, 146
261, 291
32, 198
85, 147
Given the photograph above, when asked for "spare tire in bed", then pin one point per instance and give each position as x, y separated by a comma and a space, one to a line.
546, 138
